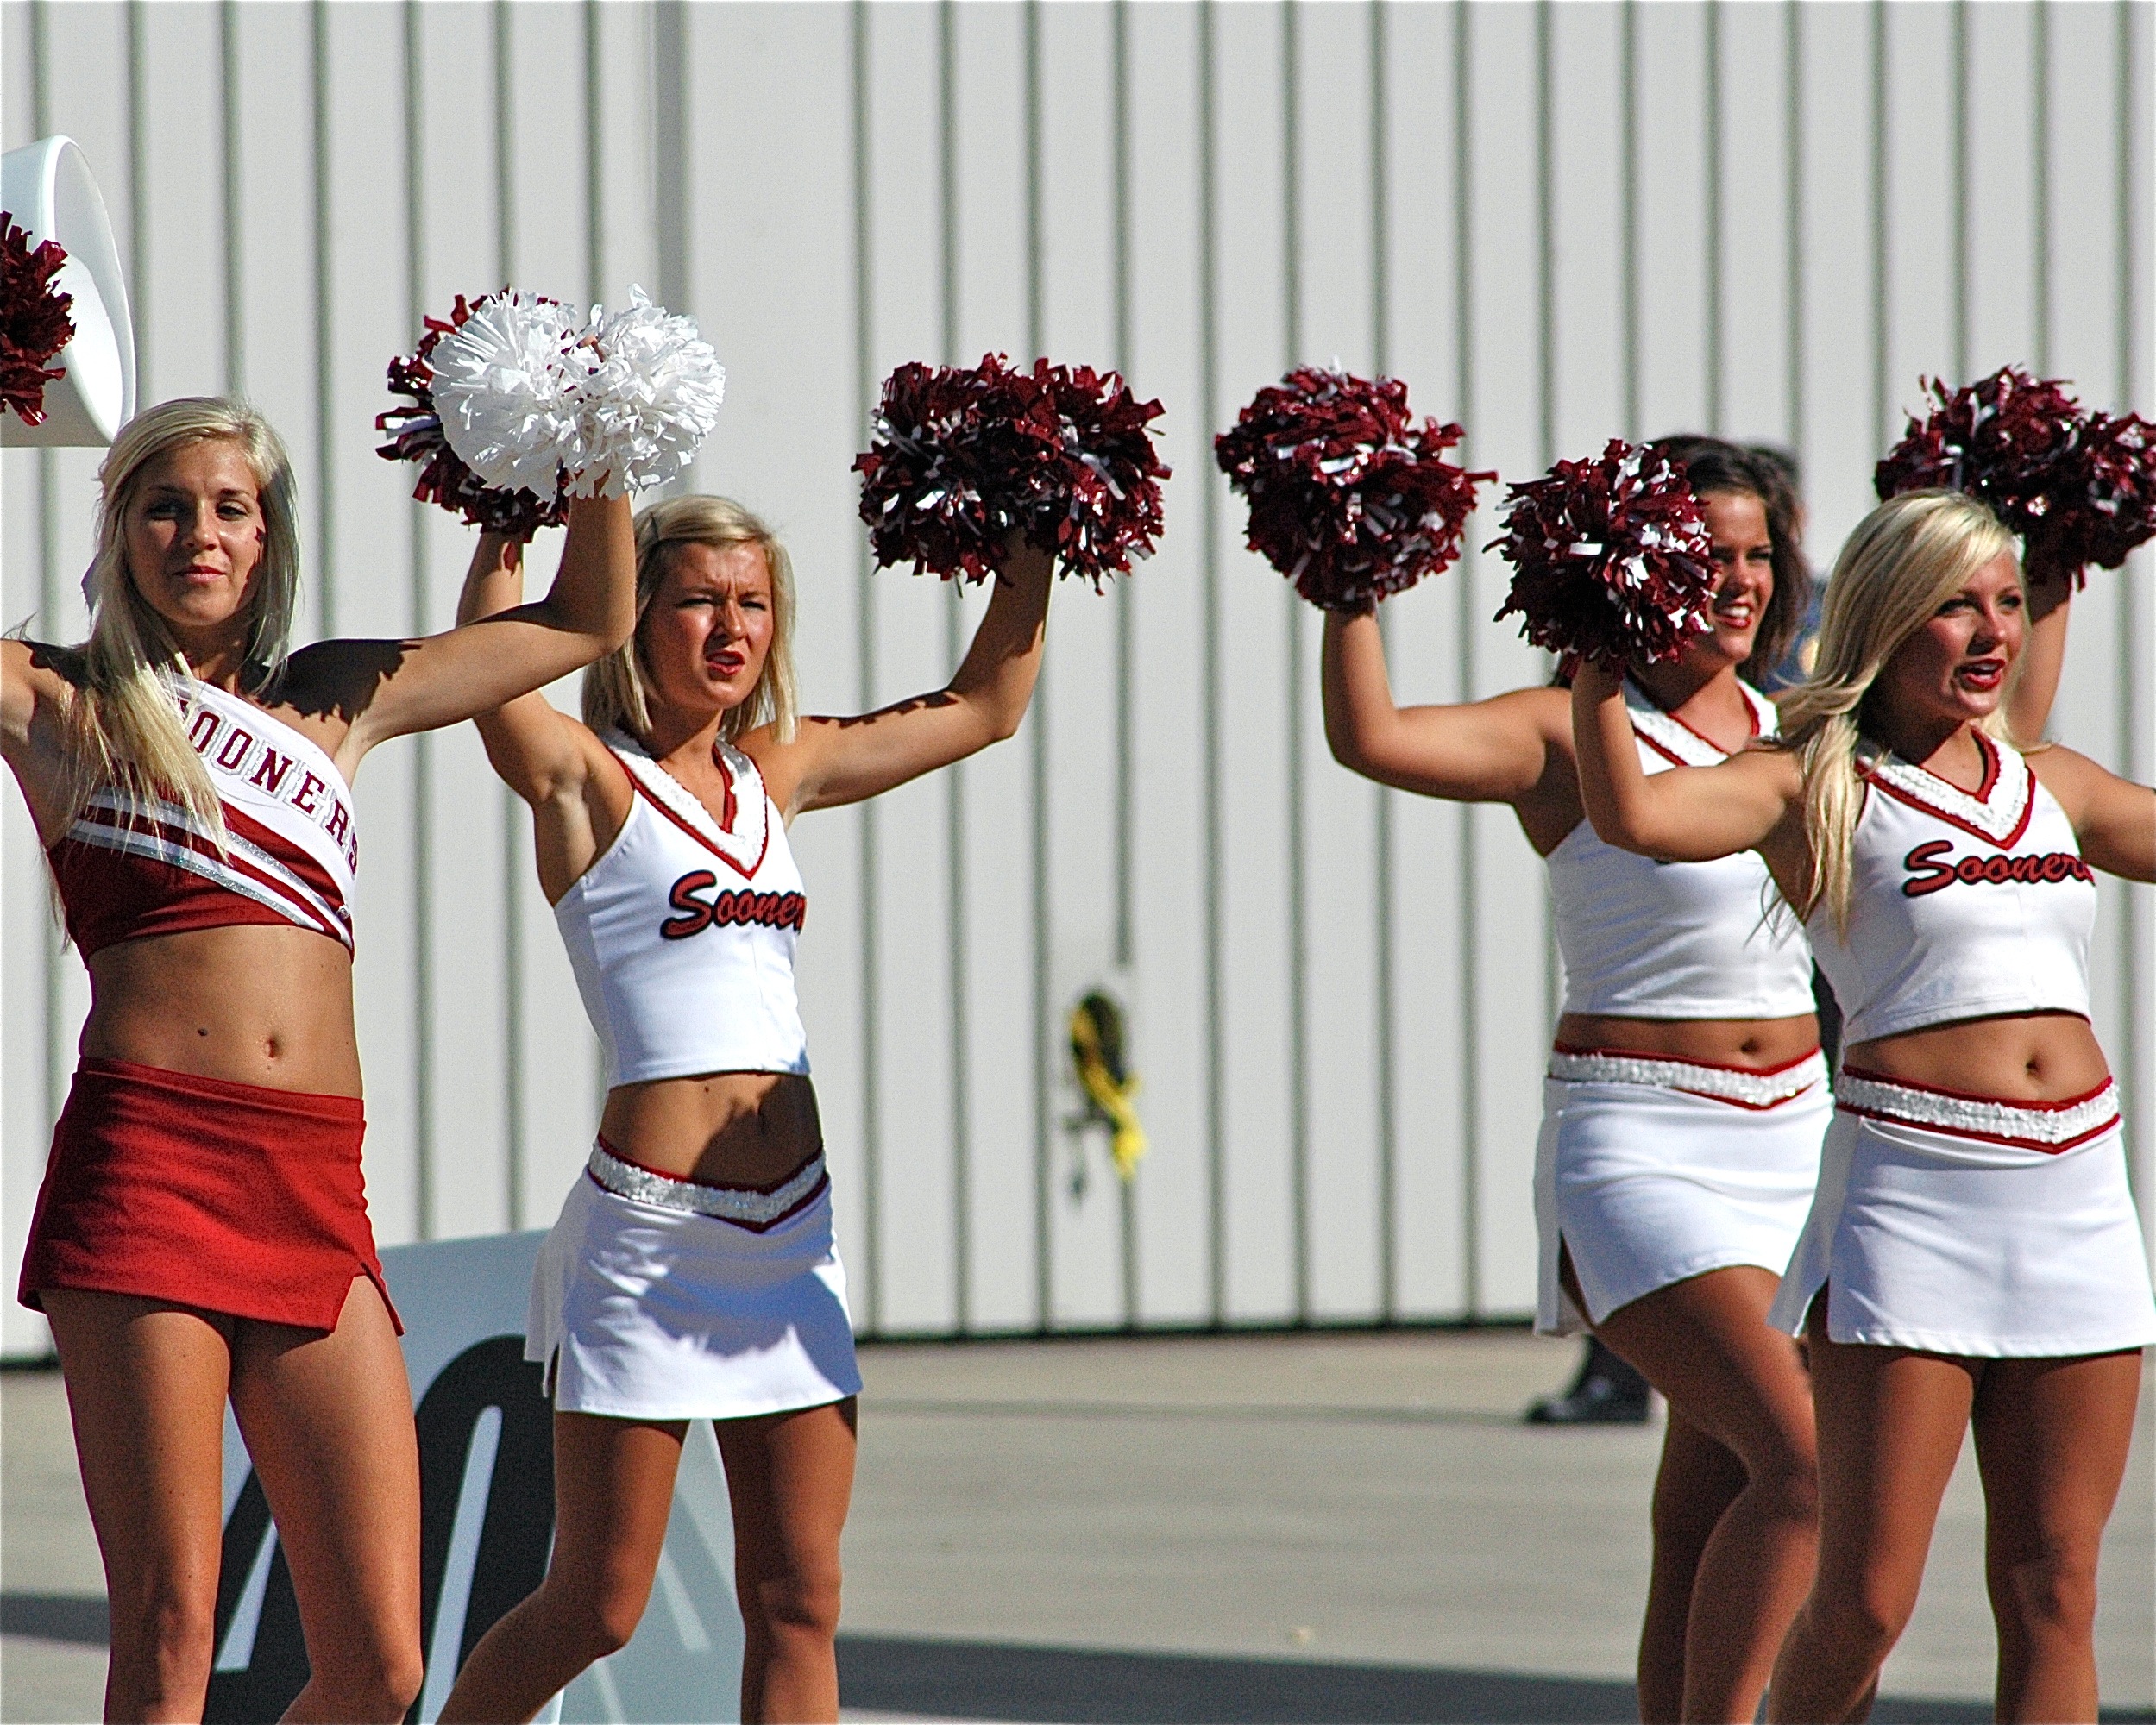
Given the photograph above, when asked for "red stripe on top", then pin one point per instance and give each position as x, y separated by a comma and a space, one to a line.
1989, 750
746, 873
108, 896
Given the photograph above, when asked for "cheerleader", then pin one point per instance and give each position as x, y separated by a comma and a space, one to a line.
1973, 1255
1686, 1096
693, 1273
202, 1231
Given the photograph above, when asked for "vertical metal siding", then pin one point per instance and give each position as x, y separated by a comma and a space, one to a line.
1555, 222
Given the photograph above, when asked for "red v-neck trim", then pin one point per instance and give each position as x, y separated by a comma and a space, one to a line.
1915, 797
734, 863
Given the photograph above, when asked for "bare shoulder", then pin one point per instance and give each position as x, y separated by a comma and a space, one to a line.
2070, 776
780, 763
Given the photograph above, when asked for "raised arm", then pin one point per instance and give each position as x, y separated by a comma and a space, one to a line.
393, 688
533, 747
835, 761
2050, 596
1687, 814
1491, 751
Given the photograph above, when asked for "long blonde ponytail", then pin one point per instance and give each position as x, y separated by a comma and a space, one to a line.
123, 727
1905, 560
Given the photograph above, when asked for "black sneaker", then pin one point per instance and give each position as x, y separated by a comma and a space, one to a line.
1607, 1392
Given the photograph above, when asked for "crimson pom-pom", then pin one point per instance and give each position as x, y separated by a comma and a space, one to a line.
1612, 559
2009, 439
2079, 487
2111, 507
35, 324
416, 435
962, 456
1350, 498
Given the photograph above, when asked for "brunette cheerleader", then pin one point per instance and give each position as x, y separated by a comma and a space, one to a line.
202, 1232
1686, 1097
1973, 1255
693, 1274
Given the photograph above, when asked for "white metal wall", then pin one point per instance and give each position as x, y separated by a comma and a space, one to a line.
1557, 222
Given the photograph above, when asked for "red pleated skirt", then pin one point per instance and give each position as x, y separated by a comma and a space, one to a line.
205, 1192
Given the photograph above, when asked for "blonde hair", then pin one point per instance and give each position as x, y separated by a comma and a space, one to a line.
1906, 558
613, 686
123, 729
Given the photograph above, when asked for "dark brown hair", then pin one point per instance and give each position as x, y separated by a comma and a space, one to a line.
1712, 465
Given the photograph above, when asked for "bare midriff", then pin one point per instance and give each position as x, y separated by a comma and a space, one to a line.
252, 1004
719, 1128
1750, 1044
2027, 1057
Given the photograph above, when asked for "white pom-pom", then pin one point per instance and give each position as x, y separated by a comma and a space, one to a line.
509, 392
649, 399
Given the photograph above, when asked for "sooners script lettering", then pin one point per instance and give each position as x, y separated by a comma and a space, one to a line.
728, 910
1932, 871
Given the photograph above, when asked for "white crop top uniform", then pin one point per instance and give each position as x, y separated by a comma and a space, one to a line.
1675, 940
658, 1297
682, 934
1961, 906
1961, 1223
1652, 1171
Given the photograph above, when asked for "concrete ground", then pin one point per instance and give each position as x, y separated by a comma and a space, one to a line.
1337, 1526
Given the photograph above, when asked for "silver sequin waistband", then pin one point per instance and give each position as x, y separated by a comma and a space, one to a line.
750, 1208
2034, 1126
1721, 1083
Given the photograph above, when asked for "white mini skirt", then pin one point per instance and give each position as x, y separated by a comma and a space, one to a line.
649, 1302
1960, 1226
1652, 1171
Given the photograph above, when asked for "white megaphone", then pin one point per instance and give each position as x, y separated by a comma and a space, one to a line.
46, 187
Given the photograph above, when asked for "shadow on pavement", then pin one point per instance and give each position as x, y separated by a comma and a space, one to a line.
80, 1619
978, 1680
975, 1680
986, 1680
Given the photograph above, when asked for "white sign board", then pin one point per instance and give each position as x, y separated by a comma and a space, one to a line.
486, 1519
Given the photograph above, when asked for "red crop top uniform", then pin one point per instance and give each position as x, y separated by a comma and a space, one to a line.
231, 1197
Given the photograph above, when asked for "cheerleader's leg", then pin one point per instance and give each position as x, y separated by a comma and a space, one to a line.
327, 1419
1705, 1344
790, 1479
2052, 1442
613, 1489
1891, 1425
146, 1389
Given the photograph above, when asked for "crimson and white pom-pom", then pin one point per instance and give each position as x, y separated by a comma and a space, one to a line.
2079, 486
648, 399
1612, 559
2112, 509
34, 323
417, 435
1349, 498
1098, 506
961, 456
2009, 439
